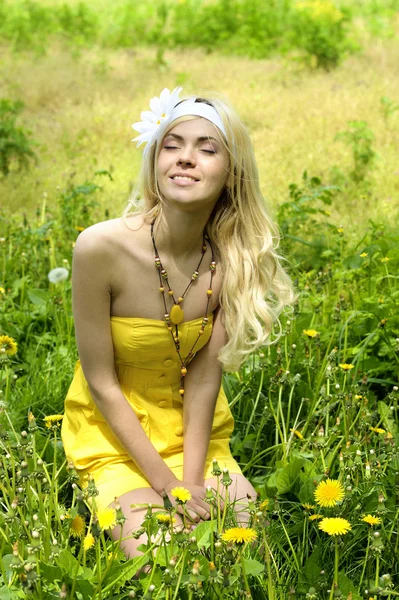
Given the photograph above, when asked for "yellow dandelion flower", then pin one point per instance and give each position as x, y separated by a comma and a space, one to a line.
89, 541
335, 526
163, 518
358, 397
77, 526
346, 366
311, 333
372, 520
340, 230
328, 493
239, 535
389, 435
308, 506
264, 505
79, 228
181, 494
364, 254
106, 518
385, 259
52, 420
315, 517
2, 290
377, 430
297, 433
8, 345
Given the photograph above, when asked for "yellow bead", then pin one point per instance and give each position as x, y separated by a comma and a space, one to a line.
180, 299
209, 293
170, 327
176, 315
183, 371
181, 391
201, 331
161, 289
170, 292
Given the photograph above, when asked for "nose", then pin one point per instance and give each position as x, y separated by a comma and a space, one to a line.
186, 156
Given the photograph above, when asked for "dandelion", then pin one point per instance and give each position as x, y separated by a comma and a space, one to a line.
346, 366
328, 493
364, 254
297, 433
79, 228
385, 259
335, 526
315, 517
77, 526
311, 333
52, 421
308, 506
106, 518
372, 520
2, 290
181, 495
377, 430
340, 230
88, 542
264, 505
57, 275
8, 345
164, 518
239, 535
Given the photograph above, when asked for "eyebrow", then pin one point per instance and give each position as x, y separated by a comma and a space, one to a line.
203, 138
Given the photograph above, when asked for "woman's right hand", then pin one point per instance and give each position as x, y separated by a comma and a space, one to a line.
197, 508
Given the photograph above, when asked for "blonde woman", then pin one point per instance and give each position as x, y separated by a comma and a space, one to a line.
164, 299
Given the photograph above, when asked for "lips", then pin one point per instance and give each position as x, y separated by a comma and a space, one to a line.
183, 177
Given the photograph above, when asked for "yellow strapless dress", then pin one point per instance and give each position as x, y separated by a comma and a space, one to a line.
148, 370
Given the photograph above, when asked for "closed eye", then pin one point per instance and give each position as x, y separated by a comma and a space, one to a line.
209, 151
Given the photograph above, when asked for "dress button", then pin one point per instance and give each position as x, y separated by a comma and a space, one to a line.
168, 362
179, 431
162, 404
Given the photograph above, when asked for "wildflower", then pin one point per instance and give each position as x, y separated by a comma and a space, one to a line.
335, 526
377, 430
311, 333
364, 254
315, 517
181, 495
297, 433
264, 504
88, 541
77, 526
308, 506
79, 228
57, 275
8, 345
106, 518
239, 535
164, 518
52, 420
2, 290
372, 520
346, 366
329, 492
385, 259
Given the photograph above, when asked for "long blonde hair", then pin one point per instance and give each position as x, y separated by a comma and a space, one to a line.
255, 287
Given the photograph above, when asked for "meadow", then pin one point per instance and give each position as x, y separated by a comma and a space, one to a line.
316, 412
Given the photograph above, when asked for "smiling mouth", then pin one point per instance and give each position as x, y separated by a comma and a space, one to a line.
183, 178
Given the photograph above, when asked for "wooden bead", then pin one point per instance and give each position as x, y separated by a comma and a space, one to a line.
181, 391
164, 273
183, 371
204, 248
170, 292
162, 289
201, 331
166, 316
209, 293
170, 327
194, 275
180, 299
212, 266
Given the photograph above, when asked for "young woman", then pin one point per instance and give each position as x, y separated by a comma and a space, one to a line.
163, 300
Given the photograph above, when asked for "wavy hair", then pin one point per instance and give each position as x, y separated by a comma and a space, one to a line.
255, 286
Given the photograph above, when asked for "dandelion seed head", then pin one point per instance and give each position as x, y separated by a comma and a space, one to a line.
58, 274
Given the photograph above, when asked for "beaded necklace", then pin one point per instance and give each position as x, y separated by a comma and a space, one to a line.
176, 314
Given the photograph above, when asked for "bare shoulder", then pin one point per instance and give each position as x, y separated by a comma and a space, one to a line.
106, 237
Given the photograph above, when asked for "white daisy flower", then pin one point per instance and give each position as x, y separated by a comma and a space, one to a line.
161, 110
58, 274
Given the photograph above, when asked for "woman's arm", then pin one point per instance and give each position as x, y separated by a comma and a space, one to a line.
202, 386
94, 262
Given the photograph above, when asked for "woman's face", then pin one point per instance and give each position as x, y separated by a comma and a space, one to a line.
192, 167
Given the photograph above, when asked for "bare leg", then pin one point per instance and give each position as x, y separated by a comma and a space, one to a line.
135, 517
239, 491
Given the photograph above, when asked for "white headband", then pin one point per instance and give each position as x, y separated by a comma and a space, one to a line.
168, 108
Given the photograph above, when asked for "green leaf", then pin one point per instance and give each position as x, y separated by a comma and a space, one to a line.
68, 563
287, 477
203, 533
252, 567
346, 586
38, 297
306, 493
50, 572
386, 416
311, 571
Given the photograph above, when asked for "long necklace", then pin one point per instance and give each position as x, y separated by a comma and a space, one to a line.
176, 314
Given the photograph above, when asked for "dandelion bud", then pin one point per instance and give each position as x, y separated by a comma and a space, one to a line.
151, 588
8, 455
26, 523
35, 517
173, 561
337, 386
35, 534
395, 387
132, 593
74, 486
377, 534
20, 490
293, 346
39, 462
358, 452
28, 567
372, 451
24, 434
